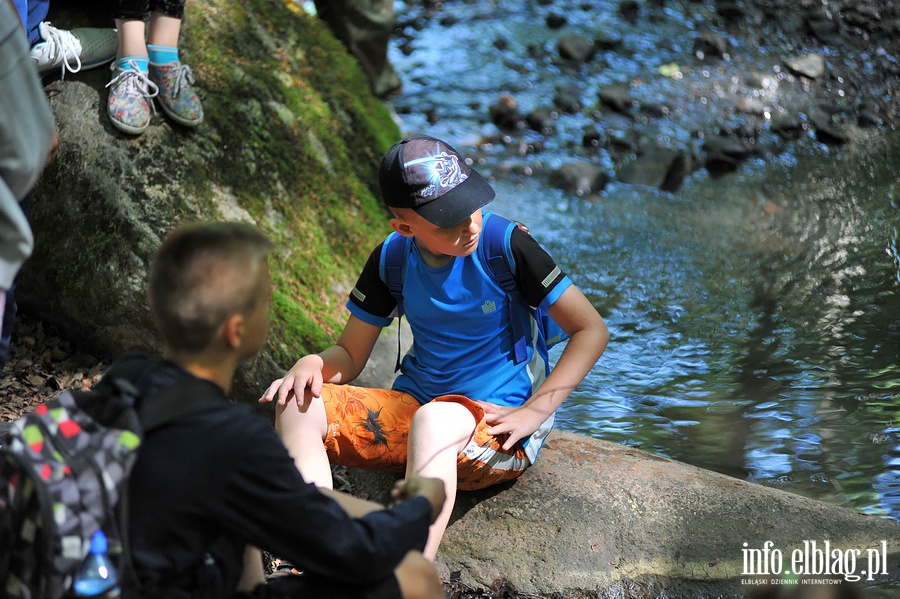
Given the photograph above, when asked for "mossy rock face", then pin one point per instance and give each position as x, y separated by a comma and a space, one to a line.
290, 142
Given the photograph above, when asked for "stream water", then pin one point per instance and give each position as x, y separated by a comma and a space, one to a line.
755, 317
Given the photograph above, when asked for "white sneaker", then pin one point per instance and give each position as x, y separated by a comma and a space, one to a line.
82, 48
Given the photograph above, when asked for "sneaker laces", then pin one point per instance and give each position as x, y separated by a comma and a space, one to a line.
184, 76
60, 43
136, 82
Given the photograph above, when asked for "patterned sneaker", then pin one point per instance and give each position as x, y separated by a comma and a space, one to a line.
82, 48
131, 96
176, 96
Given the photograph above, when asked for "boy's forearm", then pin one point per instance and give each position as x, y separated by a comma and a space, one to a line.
582, 351
338, 366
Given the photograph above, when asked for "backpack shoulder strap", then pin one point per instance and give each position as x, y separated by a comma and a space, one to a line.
157, 409
495, 252
393, 262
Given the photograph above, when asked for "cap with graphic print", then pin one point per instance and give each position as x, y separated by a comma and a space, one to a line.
427, 175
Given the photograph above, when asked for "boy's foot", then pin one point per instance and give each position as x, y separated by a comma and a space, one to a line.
131, 96
82, 48
176, 93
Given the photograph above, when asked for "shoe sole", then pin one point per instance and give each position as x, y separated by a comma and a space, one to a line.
178, 119
127, 128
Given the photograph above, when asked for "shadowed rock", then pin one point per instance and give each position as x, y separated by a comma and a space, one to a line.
576, 47
662, 168
811, 66
580, 178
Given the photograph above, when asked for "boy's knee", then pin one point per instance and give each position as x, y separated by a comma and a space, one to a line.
418, 578
444, 415
289, 417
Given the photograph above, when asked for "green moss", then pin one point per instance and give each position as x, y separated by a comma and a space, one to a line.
293, 133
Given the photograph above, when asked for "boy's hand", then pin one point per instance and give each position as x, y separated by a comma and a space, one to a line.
431, 489
303, 381
516, 423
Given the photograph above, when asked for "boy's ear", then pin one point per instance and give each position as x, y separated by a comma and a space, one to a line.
233, 331
401, 226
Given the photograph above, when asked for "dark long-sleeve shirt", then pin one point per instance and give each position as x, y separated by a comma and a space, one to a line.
223, 474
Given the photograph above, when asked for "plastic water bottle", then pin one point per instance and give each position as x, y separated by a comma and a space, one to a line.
97, 576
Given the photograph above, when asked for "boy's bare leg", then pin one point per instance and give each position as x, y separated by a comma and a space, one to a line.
418, 579
164, 30
303, 434
253, 573
439, 431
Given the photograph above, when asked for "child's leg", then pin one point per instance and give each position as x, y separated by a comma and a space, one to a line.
254, 573
164, 30
352, 426
131, 38
439, 431
303, 434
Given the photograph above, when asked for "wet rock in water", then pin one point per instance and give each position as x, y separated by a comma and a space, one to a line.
580, 178
542, 120
505, 112
811, 66
604, 42
621, 142
788, 126
655, 166
724, 154
630, 10
822, 24
754, 106
731, 11
576, 47
710, 45
827, 127
501, 43
870, 115
568, 98
759, 80
555, 21
864, 16
592, 137
617, 97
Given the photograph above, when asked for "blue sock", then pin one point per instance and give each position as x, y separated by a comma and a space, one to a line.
140, 61
162, 54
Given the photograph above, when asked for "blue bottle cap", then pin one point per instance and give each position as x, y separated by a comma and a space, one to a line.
99, 545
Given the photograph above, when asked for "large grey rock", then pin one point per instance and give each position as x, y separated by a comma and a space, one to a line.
598, 519
286, 144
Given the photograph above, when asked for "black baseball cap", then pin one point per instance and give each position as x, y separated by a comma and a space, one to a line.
427, 175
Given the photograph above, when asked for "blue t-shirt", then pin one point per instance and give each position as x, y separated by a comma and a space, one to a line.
459, 316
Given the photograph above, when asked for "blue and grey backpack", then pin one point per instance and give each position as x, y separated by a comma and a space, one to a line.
494, 250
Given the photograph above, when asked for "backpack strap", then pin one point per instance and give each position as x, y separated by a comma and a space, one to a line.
154, 411
396, 248
494, 247
393, 264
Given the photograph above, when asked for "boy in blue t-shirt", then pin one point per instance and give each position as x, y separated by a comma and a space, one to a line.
462, 409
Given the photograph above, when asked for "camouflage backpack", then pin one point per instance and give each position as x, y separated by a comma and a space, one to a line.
63, 475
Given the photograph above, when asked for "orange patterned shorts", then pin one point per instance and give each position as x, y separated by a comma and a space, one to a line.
369, 428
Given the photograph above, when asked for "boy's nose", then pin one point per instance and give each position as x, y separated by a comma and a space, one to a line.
470, 226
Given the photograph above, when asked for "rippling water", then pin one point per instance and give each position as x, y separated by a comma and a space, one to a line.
755, 317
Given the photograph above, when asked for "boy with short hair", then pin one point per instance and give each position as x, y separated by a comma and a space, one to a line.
213, 484
462, 410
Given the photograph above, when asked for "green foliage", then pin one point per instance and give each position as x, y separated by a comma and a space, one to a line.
294, 136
